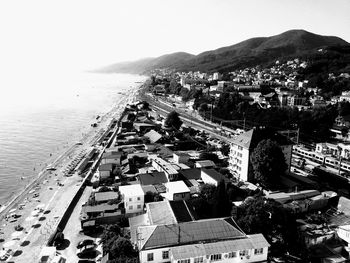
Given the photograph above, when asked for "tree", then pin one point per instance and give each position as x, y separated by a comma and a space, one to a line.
173, 120
208, 191
255, 216
222, 206
268, 162
109, 235
122, 247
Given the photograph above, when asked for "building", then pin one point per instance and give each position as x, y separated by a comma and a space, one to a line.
205, 164
163, 166
211, 176
243, 145
134, 198
111, 157
196, 241
180, 157
105, 171
177, 190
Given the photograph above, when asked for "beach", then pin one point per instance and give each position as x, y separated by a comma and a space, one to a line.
37, 209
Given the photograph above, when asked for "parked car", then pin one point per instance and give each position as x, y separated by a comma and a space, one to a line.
85, 242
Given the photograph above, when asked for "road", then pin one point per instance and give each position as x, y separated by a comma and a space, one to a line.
163, 109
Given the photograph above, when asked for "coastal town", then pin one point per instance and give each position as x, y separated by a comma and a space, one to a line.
170, 181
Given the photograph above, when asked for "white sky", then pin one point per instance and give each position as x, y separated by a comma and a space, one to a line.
73, 35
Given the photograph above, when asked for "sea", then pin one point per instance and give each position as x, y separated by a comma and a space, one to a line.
42, 118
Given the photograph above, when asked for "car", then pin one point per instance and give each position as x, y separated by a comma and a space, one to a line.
85, 243
87, 252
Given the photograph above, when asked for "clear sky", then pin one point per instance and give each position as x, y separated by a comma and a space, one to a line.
83, 34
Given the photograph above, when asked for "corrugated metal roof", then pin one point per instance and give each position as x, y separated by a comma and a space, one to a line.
197, 250
189, 232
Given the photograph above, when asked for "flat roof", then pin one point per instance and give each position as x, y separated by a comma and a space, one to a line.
160, 213
131, 190
177, 187
105, 196
152, 178
214, 174
194, 173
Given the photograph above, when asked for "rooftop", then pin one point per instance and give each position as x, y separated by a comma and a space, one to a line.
105, 196
214, 174
251, 138
188, 233
152, 178
197, 250
189, 174
177, 187
160, 213
106, 167
131, 190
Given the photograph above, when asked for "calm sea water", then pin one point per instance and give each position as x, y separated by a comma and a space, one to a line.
44, 118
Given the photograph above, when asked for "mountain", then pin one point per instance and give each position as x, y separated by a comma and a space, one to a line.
251, 52
147, 64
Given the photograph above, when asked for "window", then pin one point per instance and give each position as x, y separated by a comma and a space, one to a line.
258, 251
138, 206
240, 148
165, 254
215, 257
150, 257
130, 207
198, 260
138, 198
243, 253
184, 261
232, 254
130, 199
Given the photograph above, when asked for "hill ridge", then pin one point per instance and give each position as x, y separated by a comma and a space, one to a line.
250, 52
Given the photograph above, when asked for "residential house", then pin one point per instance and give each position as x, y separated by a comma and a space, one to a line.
103, 197
211, 176
180, 157
134, 198
163, 166
159, 89
205, 164
177, 190
105, 171
196, 241
153, 136
112, 157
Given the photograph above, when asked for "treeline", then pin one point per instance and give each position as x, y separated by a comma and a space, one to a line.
314, 124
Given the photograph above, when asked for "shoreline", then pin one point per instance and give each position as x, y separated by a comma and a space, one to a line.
89, 135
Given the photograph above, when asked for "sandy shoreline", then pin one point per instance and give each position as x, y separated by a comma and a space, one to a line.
45, 181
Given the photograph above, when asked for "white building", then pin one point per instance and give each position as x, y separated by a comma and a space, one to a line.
177, 190
163, 166
196, 242
133, 197
243, 145
211, 176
